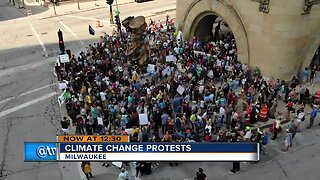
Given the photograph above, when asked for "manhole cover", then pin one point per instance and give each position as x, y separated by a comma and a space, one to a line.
29, 35
44, 33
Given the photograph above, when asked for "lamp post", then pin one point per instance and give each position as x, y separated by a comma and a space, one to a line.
111, 14
118, 14
78, 4
117, 6
54, 8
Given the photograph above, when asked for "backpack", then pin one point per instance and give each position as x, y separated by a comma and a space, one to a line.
265, 140
87, 169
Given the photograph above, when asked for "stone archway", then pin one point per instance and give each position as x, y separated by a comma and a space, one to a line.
311, 52
204, 25
203, 8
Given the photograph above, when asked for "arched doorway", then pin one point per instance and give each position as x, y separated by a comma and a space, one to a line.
194, 20
211, 27
204, 27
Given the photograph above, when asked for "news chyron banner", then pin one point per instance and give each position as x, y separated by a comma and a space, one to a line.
118, 148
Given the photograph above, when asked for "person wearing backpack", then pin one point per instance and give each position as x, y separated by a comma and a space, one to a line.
86, 168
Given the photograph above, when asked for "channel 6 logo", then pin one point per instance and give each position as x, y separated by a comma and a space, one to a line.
40, 151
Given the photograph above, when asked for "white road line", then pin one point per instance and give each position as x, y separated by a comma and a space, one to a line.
4, 38
87, 18
65, 26
21, 106
38, 89
38, 37
25, 67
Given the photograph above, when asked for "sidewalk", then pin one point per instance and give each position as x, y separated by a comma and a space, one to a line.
67, 7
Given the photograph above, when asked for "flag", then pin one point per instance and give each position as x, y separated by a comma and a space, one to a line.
91, 31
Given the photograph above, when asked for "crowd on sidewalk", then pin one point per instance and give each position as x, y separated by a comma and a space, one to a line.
197, 97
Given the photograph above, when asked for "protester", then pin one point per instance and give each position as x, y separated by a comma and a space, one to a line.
65, 125
313, 114
124, 175
86, 168
276, 126
287, 140
200, 175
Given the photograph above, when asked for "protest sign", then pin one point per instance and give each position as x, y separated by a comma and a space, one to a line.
62, 85
117, 164
143, 119
151, 68
166, 71
180, 89
61, 98
100, 120
64, 58
171, 58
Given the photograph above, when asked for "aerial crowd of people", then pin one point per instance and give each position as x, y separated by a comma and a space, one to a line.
202, 94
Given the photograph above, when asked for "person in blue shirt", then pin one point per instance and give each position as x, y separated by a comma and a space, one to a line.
313, 115
306, 75
222, 101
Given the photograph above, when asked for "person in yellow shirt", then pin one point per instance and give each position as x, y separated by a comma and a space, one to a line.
135, 130
193, 118
134, 76
277, 127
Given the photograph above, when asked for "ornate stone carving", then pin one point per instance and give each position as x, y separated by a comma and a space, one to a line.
264, 6
307, 6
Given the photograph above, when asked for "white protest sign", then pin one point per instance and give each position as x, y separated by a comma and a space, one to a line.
180, 89
129, 131
179, 37
201, 53
64, 58
166, 71
100, 120
151, 68
143, 119
62, 85
171, 58
117, 164
61, 98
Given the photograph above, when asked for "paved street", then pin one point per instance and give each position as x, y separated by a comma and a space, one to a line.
28, 97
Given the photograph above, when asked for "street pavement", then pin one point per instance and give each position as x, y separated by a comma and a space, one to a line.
28, 96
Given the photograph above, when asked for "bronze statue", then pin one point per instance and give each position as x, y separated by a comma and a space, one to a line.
137, 51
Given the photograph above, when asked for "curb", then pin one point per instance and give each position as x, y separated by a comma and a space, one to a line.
270, 124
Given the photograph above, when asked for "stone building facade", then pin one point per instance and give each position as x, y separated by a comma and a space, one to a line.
278, 36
